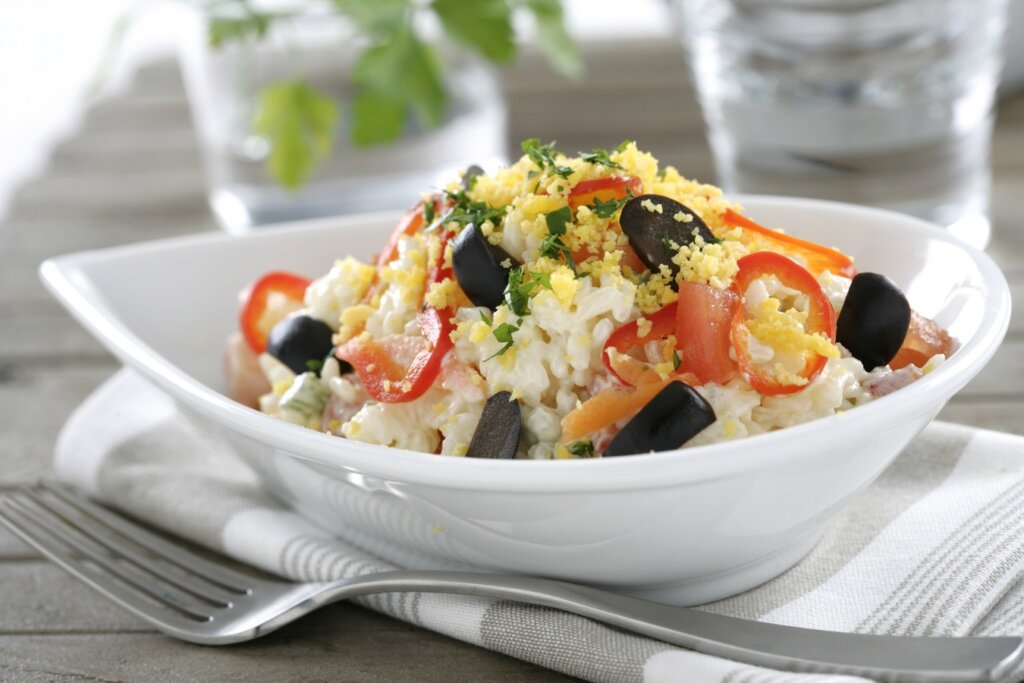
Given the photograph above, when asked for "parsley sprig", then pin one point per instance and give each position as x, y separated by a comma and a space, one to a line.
545, 157
584, 448
465, 211
517, 297
398, 74
611, 207
553, 245
600, 157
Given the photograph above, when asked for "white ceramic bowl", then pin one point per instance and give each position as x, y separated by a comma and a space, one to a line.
684, 526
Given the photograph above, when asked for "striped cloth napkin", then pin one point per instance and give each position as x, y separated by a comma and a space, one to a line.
934, 547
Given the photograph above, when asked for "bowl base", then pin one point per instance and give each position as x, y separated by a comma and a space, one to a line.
721, 585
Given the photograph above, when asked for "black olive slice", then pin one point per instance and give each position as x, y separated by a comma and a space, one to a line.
652, 232
299, 339
469, 176
497, 433
670, 419
478, 269
874, 320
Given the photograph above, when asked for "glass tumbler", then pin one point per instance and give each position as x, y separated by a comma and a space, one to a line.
223, 88
879, 102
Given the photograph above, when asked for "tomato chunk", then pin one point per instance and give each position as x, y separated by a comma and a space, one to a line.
924, 339
704, 317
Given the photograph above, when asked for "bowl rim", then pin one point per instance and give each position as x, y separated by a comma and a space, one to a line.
65, 278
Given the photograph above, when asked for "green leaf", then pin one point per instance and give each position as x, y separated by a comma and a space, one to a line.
405, 70
376, 119
556, 220
223, 30
600, 157
375, 18
483, 25
553, 40
299, 124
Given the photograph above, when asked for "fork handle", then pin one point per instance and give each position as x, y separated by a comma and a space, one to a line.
887, 658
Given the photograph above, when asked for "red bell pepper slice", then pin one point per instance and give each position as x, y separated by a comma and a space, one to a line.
663, 323
704, 317
605, 189
411, 222
821, 317
387, 380
253, 320
818, 258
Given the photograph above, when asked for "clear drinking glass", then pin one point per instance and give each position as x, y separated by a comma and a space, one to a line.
878, 102
223, 86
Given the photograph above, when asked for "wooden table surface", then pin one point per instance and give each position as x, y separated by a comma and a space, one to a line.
132, 173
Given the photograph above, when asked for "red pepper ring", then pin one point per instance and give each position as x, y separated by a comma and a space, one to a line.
385, 379
663, 323
250, 318
821, 317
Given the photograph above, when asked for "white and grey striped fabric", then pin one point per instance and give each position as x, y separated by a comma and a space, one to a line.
934, 547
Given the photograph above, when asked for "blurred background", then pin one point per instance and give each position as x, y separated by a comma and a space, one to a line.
143, 104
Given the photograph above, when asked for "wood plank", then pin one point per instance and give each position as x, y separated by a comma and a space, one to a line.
47, 333
1001, 416
13, 548
34, 403
344, 649
171, 192
34, 240
40, 597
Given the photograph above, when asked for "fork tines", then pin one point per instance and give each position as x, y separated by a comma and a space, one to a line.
132, 565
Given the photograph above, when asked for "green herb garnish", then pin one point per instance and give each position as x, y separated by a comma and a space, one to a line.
465, 211
315, 365
609, 208
557, 220
503, 333
677, 360
583, 448
600, 157
519, 289
544, 156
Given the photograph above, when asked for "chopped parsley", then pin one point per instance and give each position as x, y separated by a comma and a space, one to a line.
503, 333
583, 448
428, 212
553, 246
315, 365
676, 359
545, 157
609, 208
466, 211
600, 157
519, 289
517, 297
556, 220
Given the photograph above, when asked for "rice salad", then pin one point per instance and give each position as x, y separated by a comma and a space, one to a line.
572, 307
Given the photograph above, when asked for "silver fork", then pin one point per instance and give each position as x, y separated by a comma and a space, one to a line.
197, 599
